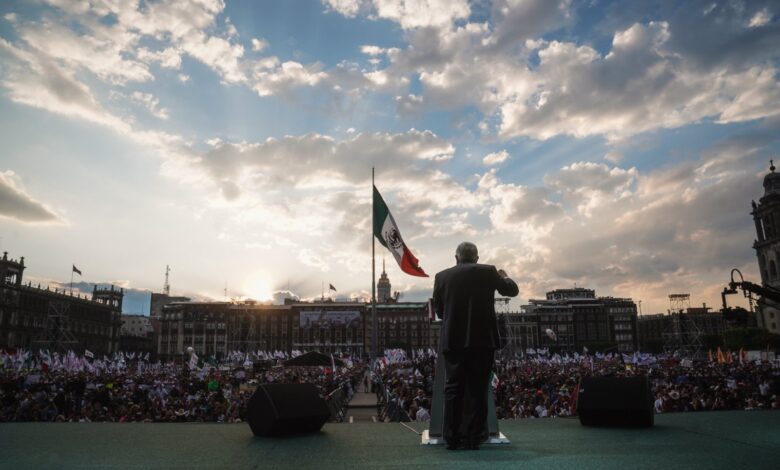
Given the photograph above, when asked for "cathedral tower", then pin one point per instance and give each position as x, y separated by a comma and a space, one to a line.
383, 291
766, 215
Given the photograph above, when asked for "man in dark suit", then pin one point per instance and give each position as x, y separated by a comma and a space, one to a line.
463, 297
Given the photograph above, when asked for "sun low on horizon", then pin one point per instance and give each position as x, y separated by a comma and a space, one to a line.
257, 287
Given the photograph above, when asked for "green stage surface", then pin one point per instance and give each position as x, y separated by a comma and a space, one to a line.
729, 440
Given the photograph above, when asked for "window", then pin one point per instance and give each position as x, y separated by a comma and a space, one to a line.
769, 226
772, 269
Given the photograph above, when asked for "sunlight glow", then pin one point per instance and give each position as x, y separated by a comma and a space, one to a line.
257, 287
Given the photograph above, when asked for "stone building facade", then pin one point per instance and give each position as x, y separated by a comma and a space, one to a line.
217, 328
766, 216
33, 317
579, 319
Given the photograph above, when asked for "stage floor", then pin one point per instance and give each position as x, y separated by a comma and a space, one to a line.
729, 440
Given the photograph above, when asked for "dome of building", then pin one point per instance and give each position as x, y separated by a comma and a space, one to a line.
772, 181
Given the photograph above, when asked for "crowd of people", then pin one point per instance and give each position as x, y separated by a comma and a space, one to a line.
79, 389
405, 387
544, 385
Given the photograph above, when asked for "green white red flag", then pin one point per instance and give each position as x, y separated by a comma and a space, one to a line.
386, 231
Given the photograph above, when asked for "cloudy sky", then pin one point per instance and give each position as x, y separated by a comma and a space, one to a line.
613, 145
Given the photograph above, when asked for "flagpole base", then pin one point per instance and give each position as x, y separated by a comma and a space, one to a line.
427, 440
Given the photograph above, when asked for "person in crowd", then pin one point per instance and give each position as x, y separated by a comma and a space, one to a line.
423, 415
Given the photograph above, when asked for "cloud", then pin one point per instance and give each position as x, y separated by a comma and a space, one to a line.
35, 80
15, 203
422, 13
760, 18
315, 160
519, 208
662, 70
271, 76
496, 158
169, 58
640, 85
587, 184
151, 103
409, 14
372, 50
348, 8
681, 66
259, 44
641, 234
102, 53
516, 21
280, 296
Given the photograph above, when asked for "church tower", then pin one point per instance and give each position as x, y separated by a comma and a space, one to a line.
11, 271
766, 215
109, 296
383, 291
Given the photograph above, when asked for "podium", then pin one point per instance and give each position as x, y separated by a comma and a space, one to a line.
434, 435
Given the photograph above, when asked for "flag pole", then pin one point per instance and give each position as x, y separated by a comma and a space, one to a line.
374, 346
71, 279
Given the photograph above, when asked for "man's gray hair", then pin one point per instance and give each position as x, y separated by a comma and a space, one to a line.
467, 253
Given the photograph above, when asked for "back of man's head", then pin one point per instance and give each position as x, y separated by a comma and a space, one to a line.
466, 253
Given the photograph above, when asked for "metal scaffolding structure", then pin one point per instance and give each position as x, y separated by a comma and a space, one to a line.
682, 334
505, 328
56, 337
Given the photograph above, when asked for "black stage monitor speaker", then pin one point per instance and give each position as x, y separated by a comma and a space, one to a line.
615, 401
282, 409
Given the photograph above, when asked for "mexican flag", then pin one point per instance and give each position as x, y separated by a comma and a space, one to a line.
494, 382
386, 231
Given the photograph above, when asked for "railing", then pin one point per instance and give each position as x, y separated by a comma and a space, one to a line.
389, 409
337, 402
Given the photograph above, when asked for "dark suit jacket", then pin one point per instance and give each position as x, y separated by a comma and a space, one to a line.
463, 296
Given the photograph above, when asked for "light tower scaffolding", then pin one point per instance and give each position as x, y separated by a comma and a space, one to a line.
506, 336
682, 334
56, 336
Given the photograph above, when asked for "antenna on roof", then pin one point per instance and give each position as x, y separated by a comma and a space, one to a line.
167, 285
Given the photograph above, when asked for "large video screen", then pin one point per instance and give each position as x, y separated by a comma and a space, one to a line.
329, 318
